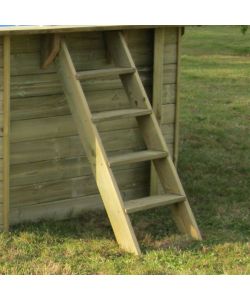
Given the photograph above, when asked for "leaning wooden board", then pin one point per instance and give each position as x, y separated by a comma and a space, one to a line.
49, 172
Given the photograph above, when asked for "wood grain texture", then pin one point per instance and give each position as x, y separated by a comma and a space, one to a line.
73, 187
6, 131
44, 142
159, 40
1, 139
97, 157
64, 208
177, 104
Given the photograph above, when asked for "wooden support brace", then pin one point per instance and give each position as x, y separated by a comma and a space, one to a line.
50, 47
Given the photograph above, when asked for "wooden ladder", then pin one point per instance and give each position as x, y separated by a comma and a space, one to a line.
118, 211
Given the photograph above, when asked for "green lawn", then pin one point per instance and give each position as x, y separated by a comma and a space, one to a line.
214, 166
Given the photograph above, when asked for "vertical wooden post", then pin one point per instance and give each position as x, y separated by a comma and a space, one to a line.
6, 129
159, 39
177, 98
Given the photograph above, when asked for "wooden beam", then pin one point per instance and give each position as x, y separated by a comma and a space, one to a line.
153, 136
177, 100
159, 40
24, 30
96, 154
6, 130
50, 47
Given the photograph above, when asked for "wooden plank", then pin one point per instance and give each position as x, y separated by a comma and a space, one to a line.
56, 170
56, 105
50, 47
96, 155
83, 75
62, 126
56, 148
121, 113
177, 104
48, 84
159, 40
168, 93
65, 208
135, 157
169, 74
6, 129
27, 63
152, 202
168, 114
171, 35
73, 187
153, 136
170, 56
70, 28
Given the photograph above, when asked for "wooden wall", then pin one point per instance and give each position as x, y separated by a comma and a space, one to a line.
49, 173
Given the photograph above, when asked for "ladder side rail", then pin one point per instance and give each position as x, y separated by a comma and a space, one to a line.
95, 152
152, 134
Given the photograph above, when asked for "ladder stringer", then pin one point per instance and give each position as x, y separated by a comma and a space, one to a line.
95, 152
152, 134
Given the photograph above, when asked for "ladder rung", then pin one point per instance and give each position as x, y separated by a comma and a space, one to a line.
136, 157
104, 73
121, 113
152, 201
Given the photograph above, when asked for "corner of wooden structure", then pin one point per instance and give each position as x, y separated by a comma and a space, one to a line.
177, 99
159, 39
6, 131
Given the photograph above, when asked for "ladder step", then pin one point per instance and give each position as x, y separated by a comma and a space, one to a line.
152, 201
121, 113
136, 157
92, 74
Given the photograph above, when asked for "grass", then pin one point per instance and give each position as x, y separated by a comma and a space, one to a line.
214, 166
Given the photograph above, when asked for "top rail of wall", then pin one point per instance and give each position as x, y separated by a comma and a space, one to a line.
16, 30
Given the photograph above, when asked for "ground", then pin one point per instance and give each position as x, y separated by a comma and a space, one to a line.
214, 166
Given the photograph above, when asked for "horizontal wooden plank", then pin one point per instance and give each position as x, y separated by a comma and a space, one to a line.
168, 114
92, 74
35, 29
170, 54
120, 114
51, 167
135, 157
168, 93
151, 202
55, 105
29, 63
64, 209
53, 170
62, 126
171, 35
168, 132
74, 187
48, 84
169, 73
56, 148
